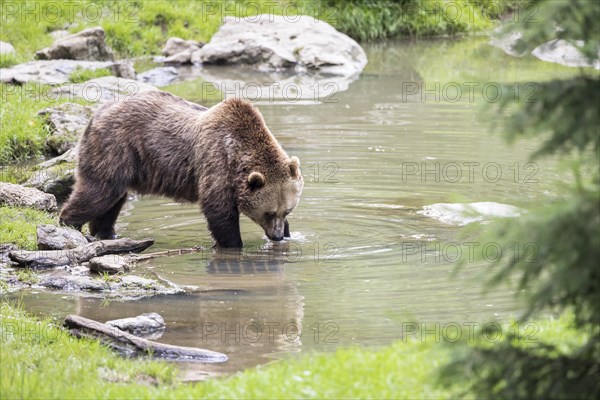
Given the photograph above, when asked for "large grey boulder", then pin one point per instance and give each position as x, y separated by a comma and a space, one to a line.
108, 89
52, 72
21, 196
273, 42
85, 45
6, 48
66, 123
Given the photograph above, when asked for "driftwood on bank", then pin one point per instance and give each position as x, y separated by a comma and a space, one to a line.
134, 345
57, 258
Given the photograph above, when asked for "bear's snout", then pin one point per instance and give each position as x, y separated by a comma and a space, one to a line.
275, 229
276, 238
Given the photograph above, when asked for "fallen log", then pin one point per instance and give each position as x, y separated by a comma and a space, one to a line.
57, 258
134, 345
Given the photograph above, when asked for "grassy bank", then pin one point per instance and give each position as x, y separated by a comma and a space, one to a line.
19, 225
40, 360
22, 132
139, 28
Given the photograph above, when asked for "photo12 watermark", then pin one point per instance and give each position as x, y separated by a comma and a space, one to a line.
467, 252
55, 11
468, 172
452, 332
269, 332
469, 92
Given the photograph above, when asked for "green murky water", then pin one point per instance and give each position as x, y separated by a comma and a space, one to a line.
364, 261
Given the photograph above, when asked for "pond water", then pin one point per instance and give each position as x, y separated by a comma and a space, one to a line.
364, 262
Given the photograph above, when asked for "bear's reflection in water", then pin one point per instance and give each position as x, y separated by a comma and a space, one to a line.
245, 307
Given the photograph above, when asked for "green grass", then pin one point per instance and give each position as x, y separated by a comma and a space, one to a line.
368, 20
28, 276
19, 225
22, 132
14, 173
83, 75
8, 60
40, 360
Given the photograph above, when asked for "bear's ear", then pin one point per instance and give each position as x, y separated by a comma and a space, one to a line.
256, 180
294, 165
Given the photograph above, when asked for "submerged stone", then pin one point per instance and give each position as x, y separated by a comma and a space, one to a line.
463, 214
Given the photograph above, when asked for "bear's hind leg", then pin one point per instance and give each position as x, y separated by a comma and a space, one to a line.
103, 227
85, 204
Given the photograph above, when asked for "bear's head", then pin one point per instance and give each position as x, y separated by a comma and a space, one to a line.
270, 196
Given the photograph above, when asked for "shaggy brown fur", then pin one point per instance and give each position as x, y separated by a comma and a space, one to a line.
224, 157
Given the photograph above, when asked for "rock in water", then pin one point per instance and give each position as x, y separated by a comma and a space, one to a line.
21, 196
273, 42
50, 237
562, 52
111, 264
161, 76
463, 214
73, 283
507, 42
85, 45
142, 324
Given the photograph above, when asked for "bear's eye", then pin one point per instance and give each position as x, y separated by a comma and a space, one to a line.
270, 215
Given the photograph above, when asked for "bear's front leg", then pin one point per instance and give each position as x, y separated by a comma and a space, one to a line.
286, 229
225, 232
224, 225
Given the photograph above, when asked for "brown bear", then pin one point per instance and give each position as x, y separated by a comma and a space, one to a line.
156, 143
